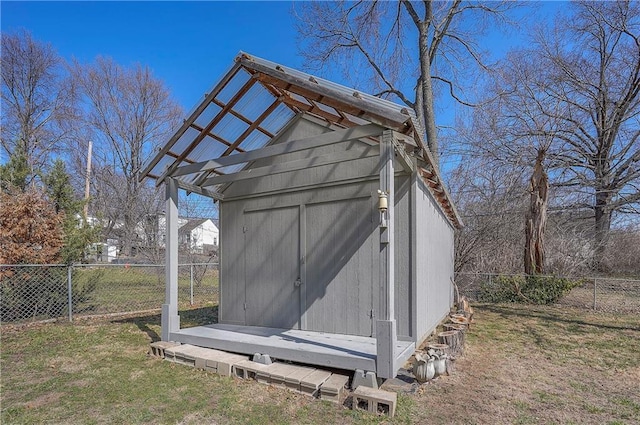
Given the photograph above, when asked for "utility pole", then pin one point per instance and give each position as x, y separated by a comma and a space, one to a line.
87, 184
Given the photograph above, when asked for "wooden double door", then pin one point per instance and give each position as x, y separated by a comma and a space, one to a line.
307, 266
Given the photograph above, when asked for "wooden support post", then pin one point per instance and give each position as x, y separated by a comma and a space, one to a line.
386, 326
303, 267
170, 320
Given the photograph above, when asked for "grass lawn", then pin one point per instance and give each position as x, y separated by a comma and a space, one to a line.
522, 364
121, 289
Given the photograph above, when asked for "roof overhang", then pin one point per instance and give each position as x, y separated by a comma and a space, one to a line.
253, 103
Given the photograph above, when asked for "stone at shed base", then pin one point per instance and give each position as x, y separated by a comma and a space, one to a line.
157, 348
404, 382
278, 372
333, 388
265, 359
377, 401
362, 378
310, 384
292, 380
247, 369
224, 364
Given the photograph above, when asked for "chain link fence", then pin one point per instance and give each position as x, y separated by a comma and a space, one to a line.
606, 294
43, 292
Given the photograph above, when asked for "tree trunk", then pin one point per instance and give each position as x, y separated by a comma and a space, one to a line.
454, 339
536, 218
426, 93
602, 226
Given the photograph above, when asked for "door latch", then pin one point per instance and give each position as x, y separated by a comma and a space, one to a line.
298, 282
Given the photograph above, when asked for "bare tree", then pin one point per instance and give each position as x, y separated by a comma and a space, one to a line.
130, 113
38, 102
536, 218
490, 198
598, 79
512, 134
578, 90
405, 49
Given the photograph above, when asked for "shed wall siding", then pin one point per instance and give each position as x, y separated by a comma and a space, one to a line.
232, 288
402, 255
341, 259
310, 177
434, 263
341, 272
342, 242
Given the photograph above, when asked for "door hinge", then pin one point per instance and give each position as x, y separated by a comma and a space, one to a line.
372, 314
245, 306
244, 229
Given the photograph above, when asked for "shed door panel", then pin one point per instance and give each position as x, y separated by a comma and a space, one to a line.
272, 268
232, 290
340, 246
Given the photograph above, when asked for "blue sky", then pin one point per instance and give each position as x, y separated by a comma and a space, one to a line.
188, 45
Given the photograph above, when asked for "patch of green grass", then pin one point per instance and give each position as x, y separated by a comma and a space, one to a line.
122, 289
593, 409
98, 372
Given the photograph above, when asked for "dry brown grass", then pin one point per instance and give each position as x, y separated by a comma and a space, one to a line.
522, 365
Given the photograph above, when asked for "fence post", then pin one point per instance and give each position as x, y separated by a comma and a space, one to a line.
191, 283
595, 284
70, 293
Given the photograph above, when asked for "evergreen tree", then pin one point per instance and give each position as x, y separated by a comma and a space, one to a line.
15, 175
77, 234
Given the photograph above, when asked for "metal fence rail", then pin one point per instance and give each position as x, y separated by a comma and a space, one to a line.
606, 294
42, 292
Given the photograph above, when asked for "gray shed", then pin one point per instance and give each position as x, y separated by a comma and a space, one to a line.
336, 232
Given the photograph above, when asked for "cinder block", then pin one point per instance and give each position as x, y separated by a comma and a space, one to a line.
247, 369
310, 384
157, 348
191, 355
333, 388
170, 352
293, 379
209, 359
278, 372
224, 366
262, 376
376, 400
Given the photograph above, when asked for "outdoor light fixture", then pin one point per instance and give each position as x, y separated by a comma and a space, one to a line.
383, 202
383, 206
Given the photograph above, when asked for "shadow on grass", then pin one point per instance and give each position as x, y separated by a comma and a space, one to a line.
543, 313
188, 318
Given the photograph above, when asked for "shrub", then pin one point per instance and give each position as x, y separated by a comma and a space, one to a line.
532, 289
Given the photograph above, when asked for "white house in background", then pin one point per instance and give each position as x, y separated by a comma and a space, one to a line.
200, 235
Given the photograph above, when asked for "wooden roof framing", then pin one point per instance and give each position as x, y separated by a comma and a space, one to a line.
246, 122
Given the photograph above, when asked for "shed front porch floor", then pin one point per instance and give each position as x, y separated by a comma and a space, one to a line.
317, 348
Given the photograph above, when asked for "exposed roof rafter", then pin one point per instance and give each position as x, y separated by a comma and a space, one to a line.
255, 102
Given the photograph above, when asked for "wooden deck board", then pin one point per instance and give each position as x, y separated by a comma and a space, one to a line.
317, 348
